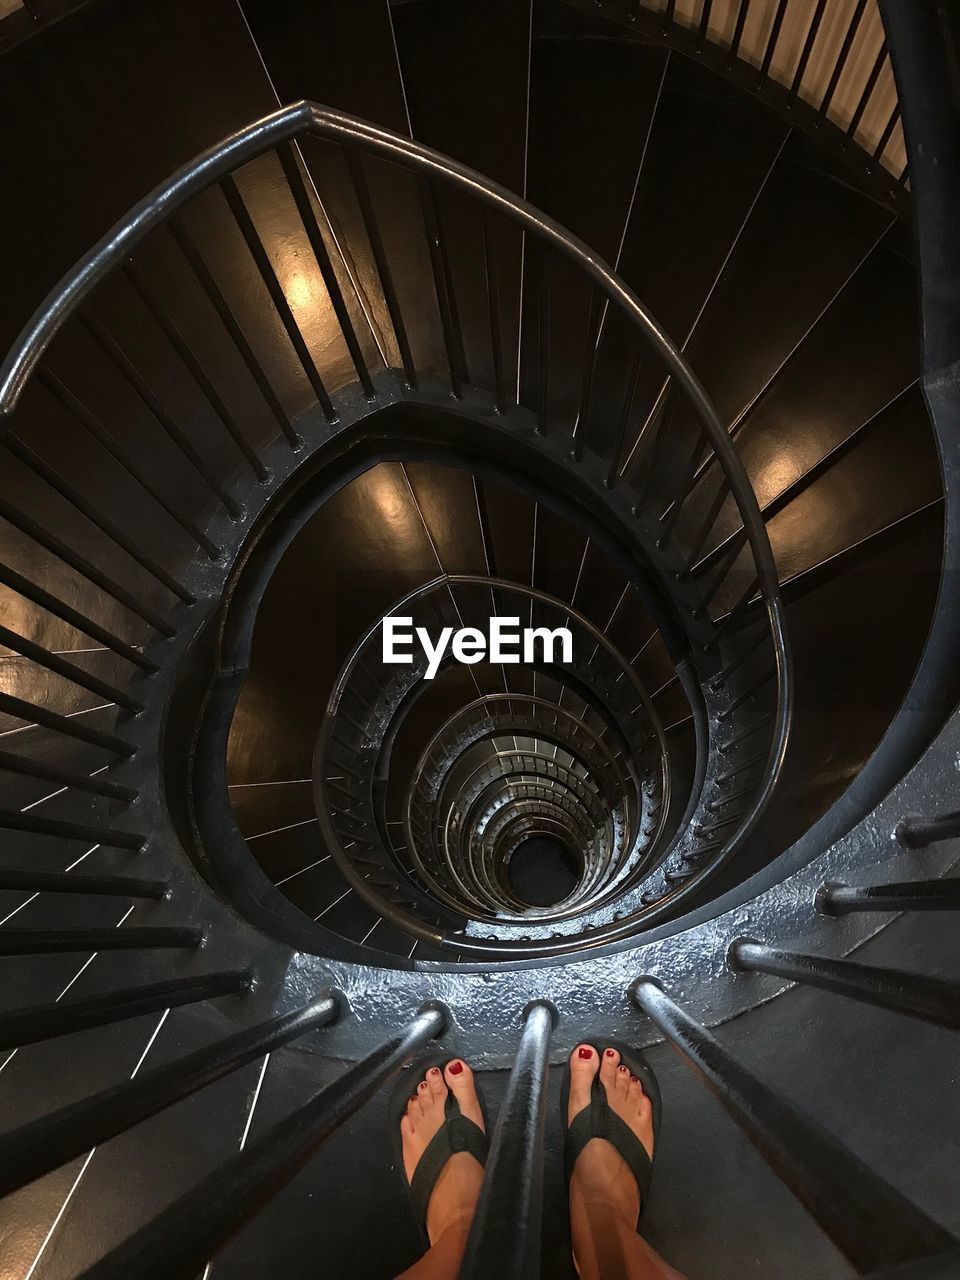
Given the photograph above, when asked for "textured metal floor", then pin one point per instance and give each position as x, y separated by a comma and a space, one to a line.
715, 1210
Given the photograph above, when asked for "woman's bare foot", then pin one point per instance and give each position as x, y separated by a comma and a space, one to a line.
602, 1188
455, 1194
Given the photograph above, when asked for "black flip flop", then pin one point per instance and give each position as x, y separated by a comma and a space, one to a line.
456, 1134
598, 1121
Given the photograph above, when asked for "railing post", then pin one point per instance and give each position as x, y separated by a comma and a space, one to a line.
935, 1000
907, 895
50, 1141
504, 1240
181, 1239
46, 1021
917, 833
866, 1218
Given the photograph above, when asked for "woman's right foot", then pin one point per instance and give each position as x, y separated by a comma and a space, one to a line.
457, 1189
600, 1175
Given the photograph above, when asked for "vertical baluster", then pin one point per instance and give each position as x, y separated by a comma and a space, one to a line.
812, 32
582, 422
95, 784
131, 375
381, 262
54, 606
917, 833
866, 1218
887, 133
241, 215
543, 340
773, 38
738, 29
49, 1141
179, 1241
291, 169
68, 401
174, 336
68, 670
67, 725
504, 1239
443, 286
905, 895
868, 89
935, 1000
47, 1021
490, 266
613, 471
64, 551
651, 463
705, 12
33, 462
232, 325
16, 820
66, 882
842, 56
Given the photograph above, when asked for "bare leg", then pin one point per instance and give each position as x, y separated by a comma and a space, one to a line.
604, 1200
454, 1198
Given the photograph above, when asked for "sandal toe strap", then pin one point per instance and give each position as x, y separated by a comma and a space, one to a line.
455, 1135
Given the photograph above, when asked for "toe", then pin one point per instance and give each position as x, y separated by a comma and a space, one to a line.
460, 1081
584, 1062
435, 1085
608, 1069
622, 1083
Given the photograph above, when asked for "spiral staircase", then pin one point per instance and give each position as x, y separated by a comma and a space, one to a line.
625, 317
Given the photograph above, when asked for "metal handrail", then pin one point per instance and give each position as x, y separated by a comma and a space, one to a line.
305, 119
451, 582
482, 714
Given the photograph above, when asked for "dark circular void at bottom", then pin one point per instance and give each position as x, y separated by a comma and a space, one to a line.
542, 871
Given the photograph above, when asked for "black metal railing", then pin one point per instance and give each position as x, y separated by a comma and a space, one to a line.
815, 79
865, 1217
179, 1241
225, 168
869, 1220
358, 724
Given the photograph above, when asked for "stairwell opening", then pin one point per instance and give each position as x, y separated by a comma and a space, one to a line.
543, 871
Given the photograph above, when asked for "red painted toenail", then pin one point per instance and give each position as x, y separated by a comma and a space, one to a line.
422, 1084
623, 1069
414, 1098
634, 1080
611, 1052
456, 1068
434, 1071
586, 1054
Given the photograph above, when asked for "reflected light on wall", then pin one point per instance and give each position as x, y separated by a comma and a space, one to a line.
385, 489
305, 292
301, 289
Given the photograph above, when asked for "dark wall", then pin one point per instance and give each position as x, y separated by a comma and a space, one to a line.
97, 111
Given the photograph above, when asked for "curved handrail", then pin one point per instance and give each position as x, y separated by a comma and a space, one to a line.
309, 119
450, 582
479, 712
520, 778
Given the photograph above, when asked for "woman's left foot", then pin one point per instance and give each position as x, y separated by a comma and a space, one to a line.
600, 1172
457, 1189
